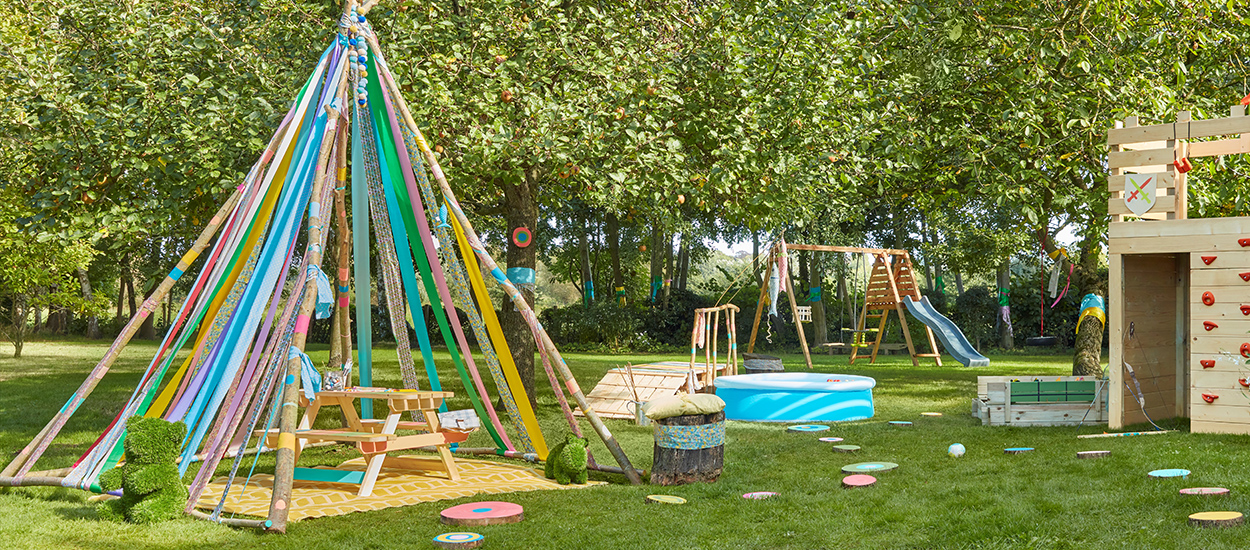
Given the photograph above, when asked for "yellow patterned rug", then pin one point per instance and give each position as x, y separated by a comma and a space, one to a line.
394, 488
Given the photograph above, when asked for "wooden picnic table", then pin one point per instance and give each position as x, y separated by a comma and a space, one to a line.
376, 438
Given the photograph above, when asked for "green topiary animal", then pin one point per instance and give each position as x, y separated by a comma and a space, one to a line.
152, 490
567, 461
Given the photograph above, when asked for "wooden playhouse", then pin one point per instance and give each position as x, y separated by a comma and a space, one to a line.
1179, 294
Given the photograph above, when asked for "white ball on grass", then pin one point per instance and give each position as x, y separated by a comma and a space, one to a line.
957, 450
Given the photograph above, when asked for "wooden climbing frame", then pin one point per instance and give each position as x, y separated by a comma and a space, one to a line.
891, 279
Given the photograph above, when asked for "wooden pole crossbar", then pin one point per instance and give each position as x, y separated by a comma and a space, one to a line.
891, 279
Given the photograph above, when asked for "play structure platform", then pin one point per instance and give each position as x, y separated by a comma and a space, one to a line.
612, 395
1179, 289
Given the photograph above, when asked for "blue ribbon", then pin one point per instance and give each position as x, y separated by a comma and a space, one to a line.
325, 296
1093, 300
521, 275
310, 379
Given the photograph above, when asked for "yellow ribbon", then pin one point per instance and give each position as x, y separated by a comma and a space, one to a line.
1092, 311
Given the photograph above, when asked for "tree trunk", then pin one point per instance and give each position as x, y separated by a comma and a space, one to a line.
20, 314
820, 328
1006, 338
612, 232
1088, 358
147, 330
656, 263
959, 284
130, 291
683, 263
583, 255
521, 210
755, 258
38, 311
668, 269
93, 322
121, 294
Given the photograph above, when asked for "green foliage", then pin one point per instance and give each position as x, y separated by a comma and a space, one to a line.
567, 461
37, 271
152, 490
974, 314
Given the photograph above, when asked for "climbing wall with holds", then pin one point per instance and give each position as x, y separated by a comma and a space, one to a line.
1183, 335
1219, 328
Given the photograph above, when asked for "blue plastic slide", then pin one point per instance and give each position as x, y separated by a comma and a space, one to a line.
950, 335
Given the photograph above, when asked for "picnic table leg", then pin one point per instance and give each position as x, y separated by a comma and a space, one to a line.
444, 452
306, 423
375, 460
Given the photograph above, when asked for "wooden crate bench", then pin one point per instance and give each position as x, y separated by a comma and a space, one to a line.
1040, 400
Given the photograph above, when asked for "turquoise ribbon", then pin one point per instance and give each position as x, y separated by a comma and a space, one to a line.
521, 276
310, 379
325, 296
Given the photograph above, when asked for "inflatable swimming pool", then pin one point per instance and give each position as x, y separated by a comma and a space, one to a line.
796, 397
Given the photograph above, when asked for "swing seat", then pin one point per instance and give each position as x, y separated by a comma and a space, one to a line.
1041, 341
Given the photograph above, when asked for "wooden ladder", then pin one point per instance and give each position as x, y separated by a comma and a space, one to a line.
888, 283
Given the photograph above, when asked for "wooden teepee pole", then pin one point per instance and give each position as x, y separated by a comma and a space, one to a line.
24, 460
526, 312
284, 471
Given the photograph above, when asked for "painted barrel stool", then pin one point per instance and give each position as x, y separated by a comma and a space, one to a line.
688, 449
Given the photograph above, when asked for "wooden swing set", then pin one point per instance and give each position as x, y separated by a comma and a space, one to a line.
892, 278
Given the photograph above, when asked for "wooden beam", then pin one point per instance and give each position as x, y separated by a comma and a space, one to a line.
1191, 130
1219, 148
1163, 204
1164, 180
851, 249
1148, 157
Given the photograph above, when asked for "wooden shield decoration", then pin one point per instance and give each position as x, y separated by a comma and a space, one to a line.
1139, 192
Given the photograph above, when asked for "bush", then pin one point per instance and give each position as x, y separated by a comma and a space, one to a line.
974, 314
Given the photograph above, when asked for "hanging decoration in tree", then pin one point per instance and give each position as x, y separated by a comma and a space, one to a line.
522, 237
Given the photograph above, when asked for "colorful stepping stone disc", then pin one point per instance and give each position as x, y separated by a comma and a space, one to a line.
809, 428
861, 467
845, 448
930, 414
1204, 491
664, 499
1017, 450
831, 439
900, 423
459, 540
1216, 519
858, 480
759, 495
1169, 472
483, 513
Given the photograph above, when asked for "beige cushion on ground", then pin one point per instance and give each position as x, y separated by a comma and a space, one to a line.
683, 404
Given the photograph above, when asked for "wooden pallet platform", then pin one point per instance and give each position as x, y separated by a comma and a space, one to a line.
611, 396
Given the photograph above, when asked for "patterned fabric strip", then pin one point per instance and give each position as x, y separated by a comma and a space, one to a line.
460, 289
703, 436
387, 254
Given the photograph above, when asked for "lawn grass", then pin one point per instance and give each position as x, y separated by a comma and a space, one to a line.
1043, 499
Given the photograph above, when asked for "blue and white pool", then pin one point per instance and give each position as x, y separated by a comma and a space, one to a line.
796, 397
